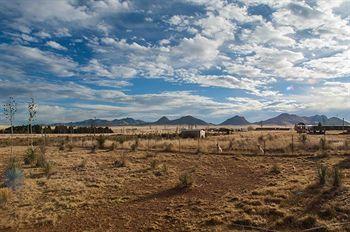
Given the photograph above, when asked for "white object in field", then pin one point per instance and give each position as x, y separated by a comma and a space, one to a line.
261, 149
219, 149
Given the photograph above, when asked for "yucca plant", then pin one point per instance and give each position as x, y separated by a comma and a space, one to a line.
30, 156
185, 180
13, 175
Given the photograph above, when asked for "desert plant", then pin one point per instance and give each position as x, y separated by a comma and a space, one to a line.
275, 169
61, 146
322, 171
93, 149
32, 110
70, 147
323, 144
337, 177
14, 177
168, 147
112, 147
48, 168
135, 145
5, 195
164, 169
303, 139
30, 156
120, 162
101, 141
153, 164
10, 109
185, 180
41, 160
82, 164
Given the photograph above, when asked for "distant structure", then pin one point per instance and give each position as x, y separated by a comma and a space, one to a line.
192, 133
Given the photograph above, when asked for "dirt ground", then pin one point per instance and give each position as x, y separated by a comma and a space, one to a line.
234, 190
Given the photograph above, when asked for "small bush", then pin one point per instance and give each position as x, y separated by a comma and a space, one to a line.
153, 164
48, 169
41, 161
30, 156
185, 181
70, 147
275, 169
83, 164
337, 177
323, 144
93, 149
135, 145
61, 146
303, 139
168, 147
122, 162
322, 174
14, 176
112, 147
5, 195
101, 141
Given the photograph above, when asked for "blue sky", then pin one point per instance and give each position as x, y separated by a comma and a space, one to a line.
209, 58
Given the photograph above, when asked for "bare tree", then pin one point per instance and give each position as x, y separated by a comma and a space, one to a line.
32, 110
9, 112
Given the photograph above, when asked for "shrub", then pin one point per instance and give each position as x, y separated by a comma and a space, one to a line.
41, 161
14, 177
61, 146
185, 181
168, 147
112, 147
5, 195
275, 169
70, 147
83, 164
48, 169
30, 156
303, 139
135, 145
153, 164
93, 149
121, 162
337, 177
322, 174
323, 144
101, 141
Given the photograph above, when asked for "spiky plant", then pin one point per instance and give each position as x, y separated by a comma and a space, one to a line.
322, 174
13, 174
10, 109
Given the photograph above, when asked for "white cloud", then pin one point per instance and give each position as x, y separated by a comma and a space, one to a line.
56, 45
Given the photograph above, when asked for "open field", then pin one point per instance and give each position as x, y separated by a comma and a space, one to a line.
261, 181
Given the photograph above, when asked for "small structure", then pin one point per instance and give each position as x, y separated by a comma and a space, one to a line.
192, 133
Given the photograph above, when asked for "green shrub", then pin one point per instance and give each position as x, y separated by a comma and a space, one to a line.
101, 141
185, 180
337, 177
13, 175
30, 156
48, 168
322, 174
275, 169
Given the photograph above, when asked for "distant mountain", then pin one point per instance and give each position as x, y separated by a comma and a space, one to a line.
289, 119
102, 122
236, 121
284, 119
334, 121
162, 121
187, 120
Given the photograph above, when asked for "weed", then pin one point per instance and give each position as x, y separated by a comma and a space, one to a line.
337, 177
303, 139
5, 195
275, 169
168, 147
322, 174
185, 181
153, 164
101, 141
41, 161
48, 169
122, 162
135, 145
30, 156
61, 146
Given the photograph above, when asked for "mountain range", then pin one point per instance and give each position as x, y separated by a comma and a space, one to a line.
283, 119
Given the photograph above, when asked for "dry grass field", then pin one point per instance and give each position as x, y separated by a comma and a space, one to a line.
261, 181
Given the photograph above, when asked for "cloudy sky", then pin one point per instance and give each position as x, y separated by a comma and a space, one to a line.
145, 59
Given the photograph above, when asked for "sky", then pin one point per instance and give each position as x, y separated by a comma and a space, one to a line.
211, 59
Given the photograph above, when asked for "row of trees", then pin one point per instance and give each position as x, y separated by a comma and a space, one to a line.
39, 129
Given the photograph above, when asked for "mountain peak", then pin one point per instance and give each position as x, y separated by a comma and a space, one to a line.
236, 121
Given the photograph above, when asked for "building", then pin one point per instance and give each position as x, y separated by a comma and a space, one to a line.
192, 133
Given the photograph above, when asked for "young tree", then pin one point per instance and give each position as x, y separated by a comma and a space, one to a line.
32, 109
9, 112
